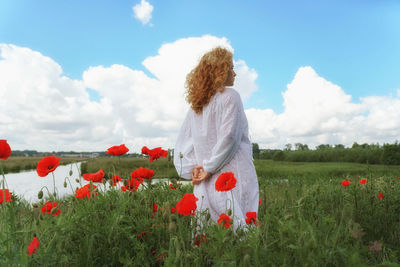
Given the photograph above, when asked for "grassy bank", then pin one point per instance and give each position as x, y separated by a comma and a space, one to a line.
303, 222
18, 164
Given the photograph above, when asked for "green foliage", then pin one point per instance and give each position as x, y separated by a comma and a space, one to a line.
307, 219
391, 154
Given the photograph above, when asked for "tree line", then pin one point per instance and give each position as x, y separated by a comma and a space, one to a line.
388, 154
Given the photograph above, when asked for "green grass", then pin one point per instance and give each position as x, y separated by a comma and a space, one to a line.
304, 222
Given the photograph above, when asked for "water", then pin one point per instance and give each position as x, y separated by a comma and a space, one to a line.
27, 184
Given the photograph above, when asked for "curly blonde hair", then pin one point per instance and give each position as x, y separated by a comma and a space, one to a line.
208, 77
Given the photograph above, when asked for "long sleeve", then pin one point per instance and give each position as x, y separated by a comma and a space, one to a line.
229, 133
184, 157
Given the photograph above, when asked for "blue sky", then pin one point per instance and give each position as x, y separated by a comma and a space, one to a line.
354, 44
334, 64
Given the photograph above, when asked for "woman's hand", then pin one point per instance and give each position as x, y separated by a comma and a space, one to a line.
201, 176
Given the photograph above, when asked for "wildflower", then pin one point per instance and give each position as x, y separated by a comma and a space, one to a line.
187, 204
5, 149
173, 210
33, 245
132, 184
117, 150
50, 208
252, 218
225, 182
380, 196
86, 191
200, 238
375, 246
142, 234
47, 165
115, 179
154, 153
96, 177
171, 186
259, 202
5, 193
155, 207
225, 220
142, 173
345, 183
363, 181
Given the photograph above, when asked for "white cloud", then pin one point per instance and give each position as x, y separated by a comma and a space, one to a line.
318, 111
46, 111
143, 11
43, 109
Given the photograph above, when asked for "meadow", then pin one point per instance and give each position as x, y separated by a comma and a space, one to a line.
307, 217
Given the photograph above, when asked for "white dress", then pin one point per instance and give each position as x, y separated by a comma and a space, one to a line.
217, 139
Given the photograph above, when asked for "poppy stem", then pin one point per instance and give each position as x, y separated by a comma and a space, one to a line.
66, 178
3, 182
54, 184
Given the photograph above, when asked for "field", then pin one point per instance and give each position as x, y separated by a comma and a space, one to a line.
307, 218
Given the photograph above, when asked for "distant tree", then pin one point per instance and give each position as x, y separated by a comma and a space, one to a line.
355, 145
256, 151
288, 147
279, 156
339, 146
323, 146
300, 146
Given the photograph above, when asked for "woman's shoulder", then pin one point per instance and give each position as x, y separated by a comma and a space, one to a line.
230, 94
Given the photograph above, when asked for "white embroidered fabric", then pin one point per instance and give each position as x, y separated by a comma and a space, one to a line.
217, 139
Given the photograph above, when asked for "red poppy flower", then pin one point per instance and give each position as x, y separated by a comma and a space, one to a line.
187, 204
363, 181
117, 150
173, 210
155, 207
5, 149
345, 183
252, 218
225, 182
96, 177
142, 234
171, 186
47, 165
132, 184
86, 191
6, 194
142, 173
225, 220
200, 238
51, 208
154, 153
33, 246
116, 179
259, 202
380, 196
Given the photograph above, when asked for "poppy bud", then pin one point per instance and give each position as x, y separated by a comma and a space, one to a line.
65, 184
172, 227
70, 172
40, 194
208, 216
229, 212
77, 188
180, 155
54, 194
35, 205
77, 180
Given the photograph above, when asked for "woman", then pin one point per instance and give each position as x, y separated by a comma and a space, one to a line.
214, 139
